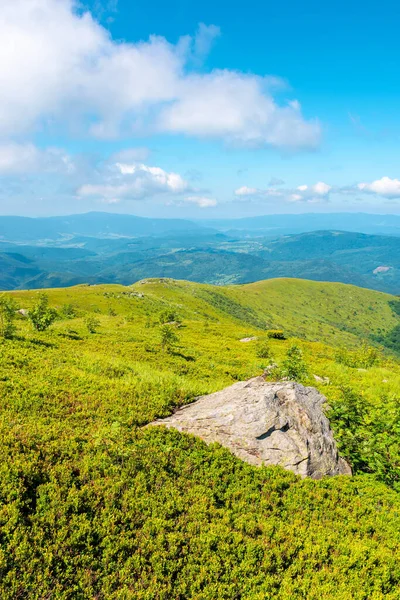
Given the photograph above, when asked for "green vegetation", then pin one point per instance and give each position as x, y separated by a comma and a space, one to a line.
93, 505
293, 366
92, 324
264, 349
276, 334
138, 248
41, 314
8, 310
168, 337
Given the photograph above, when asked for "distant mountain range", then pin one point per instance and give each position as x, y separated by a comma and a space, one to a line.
307, 222
109, 248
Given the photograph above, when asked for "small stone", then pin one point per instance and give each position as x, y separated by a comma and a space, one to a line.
322, 379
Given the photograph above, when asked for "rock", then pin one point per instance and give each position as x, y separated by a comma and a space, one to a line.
266, 423
248, 339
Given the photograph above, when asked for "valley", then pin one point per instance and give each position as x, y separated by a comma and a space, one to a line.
42, 253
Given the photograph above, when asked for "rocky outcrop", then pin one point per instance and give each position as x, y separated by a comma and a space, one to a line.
266, 423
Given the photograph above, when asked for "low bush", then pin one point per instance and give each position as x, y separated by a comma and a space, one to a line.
276, 334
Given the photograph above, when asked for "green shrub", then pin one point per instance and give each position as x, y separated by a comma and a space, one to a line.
68, 311
294, 367
92, 324
8, 310
276, 334
264, 350
368, 434
169, 316
362, 358
42, 315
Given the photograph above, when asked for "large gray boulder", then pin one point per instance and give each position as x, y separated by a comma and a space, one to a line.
266, 423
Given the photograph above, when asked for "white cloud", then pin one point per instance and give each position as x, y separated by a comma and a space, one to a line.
321, 191
386, 187
201, 201
204, 40
60, 68
171, 182
133, 182
246, 191
295, 197
25, 158
249, 191
321, 188
302, 193
237, 108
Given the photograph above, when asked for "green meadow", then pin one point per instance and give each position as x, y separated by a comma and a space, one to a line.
95, 506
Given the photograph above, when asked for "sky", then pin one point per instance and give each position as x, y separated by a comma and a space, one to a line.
199, 109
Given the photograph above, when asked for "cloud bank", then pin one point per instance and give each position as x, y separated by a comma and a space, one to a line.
59, 68
385, 187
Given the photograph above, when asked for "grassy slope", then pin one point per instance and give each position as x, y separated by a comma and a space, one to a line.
92, 506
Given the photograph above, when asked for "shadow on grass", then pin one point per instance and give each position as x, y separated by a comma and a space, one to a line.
70, 335
188, 358
42, 343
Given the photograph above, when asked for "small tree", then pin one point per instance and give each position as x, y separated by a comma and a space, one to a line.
92, 324
168, 337
8, 310
293, 366
42, 315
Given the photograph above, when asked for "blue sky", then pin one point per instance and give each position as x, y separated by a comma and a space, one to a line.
199, 109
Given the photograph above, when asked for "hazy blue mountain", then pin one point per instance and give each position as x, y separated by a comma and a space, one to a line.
203, 255
288, 224
95, 224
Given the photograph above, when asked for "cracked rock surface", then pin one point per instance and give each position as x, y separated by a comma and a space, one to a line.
266, 423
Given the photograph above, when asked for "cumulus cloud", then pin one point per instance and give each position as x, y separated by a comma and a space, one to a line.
125, 181
320, 192
237, 108
311, 193
386, 187
59, 67
201, 201
303, 193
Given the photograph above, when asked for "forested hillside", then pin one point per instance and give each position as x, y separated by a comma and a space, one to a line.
196, 254
93, 505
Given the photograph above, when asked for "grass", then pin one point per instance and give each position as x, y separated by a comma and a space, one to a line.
94, 506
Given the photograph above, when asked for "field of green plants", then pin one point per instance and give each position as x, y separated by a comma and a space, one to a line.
94, 506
